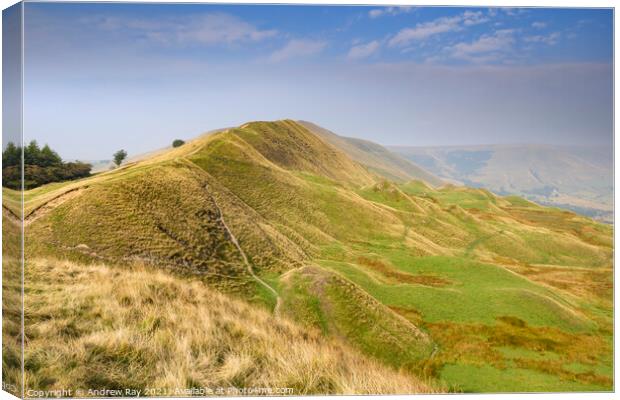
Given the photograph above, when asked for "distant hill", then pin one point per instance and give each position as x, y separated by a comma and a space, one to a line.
376, 157
576, 178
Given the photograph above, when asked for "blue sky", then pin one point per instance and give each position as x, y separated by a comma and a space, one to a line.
99, 77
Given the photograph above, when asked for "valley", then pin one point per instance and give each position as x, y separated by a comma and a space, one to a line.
280, 254
576, 178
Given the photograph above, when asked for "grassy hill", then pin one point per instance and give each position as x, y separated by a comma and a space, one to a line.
375, 157
160, 331
537, 172
453, 286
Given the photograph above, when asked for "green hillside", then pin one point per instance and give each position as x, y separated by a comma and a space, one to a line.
374, 156
453, 286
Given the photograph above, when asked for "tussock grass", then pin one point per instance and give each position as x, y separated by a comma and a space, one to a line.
92, 326
11, 304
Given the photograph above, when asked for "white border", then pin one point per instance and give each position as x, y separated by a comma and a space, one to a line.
483, 3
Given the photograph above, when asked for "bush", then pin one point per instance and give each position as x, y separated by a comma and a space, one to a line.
178, 143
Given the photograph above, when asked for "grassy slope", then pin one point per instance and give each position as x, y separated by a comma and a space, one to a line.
376, 157
326, 301
454, 229
161, 331
11, 304
449, 260
565, 310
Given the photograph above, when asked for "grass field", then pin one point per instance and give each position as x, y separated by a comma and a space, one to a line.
455, 287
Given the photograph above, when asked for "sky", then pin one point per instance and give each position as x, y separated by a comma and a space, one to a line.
99, 77
11, 70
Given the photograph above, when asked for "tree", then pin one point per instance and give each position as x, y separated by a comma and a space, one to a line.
119, 157
48, 157
11, 156
32, 154
178, 143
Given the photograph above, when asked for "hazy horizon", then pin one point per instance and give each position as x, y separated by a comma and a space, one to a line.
386, 145
99, 77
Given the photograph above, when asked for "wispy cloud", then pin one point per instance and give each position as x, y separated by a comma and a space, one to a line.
364, 50
205, 29
550, 39
298, 48
385, 11
539, 24
474, 18
425, 30
485, 48
438, 26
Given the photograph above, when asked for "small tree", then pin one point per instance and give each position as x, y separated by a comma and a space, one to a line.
178, 143
119, 157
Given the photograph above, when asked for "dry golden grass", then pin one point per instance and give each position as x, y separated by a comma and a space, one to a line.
93, 326
11, 305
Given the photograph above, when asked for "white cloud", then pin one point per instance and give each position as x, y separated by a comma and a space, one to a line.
474, 18
425, 30
205, 29
539, 24
486, 48
380, 12
298, 48
440, 25
217, 28
550, 39
364, 50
